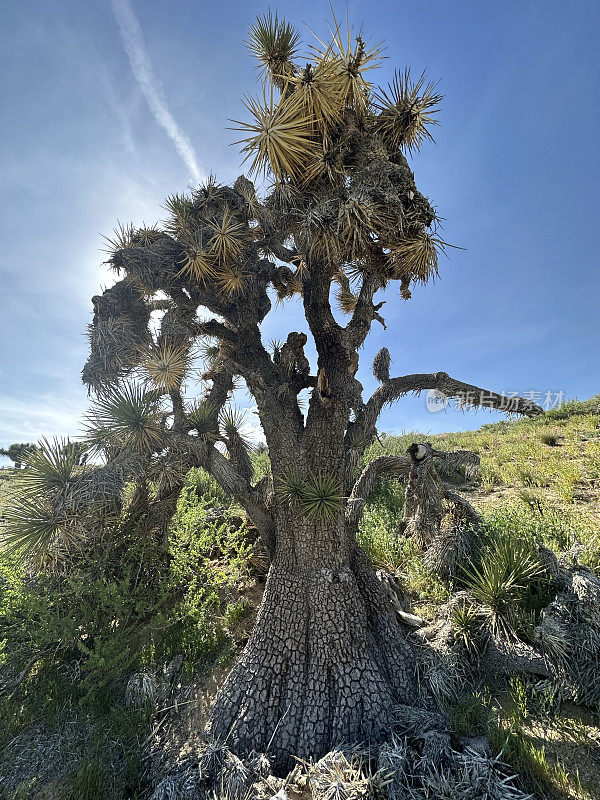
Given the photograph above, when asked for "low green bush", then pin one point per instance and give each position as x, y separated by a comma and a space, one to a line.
471, 715
70, 639
575, 408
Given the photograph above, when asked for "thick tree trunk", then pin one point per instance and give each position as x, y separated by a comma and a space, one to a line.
327, 660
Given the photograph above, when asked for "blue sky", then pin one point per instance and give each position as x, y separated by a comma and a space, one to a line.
514, 174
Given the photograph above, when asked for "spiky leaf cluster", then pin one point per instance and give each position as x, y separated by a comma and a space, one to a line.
466, 623
406, 111
279, 136
125, 418
57, 500
204, 418
290, 489
318, 497
166, 365
322, 497
31, 526
274, 43
416, 256
506, 571
238, 446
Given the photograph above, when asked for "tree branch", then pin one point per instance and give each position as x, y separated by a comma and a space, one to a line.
212, 327
398, 466
365, 311
222, 470
363, 430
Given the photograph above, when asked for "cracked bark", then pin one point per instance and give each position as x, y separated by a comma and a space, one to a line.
327, 660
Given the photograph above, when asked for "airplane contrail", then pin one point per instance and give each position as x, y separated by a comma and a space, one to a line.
152, 89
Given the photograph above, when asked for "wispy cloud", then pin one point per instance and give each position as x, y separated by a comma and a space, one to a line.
152, 89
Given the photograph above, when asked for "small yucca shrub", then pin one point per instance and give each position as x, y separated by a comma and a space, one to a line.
322, 496
507, 568
466, 624
319, 496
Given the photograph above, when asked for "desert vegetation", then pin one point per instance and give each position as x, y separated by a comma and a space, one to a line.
340, 613
137, 637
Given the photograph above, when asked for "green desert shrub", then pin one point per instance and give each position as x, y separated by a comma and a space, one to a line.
70, 639
550, 439
471, 715
574, 408
505, 581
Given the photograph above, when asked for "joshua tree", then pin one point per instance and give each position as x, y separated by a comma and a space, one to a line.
341, 219
18, 452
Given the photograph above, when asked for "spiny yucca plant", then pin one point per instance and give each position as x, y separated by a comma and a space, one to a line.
466, 623
290, 488
50, 467
232, 421
31, 523
228, 238
350, 58
406, 111
166, 365
57, 501
279, 136
321, 496
274, 42
230, 282
317, 92
126, 417
238, 446
507, 568
204, 416
417, 256
198, 262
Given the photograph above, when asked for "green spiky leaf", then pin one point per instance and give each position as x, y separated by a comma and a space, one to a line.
30, 526
204, 417
127, 417
321, 497
50, 467
507, 568
232, 421
290, 488
274, 42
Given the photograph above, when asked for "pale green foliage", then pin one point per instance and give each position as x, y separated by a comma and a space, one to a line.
126, 416
507, 568
126, 604
321, 497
